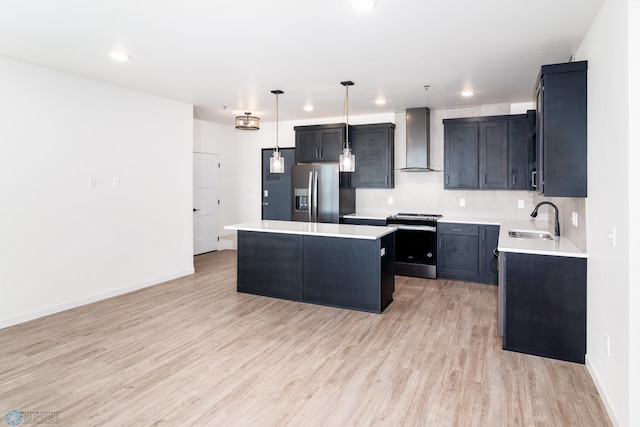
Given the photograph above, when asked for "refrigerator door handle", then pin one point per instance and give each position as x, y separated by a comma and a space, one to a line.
315, 196
309, 197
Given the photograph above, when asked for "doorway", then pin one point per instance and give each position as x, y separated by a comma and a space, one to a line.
206, 203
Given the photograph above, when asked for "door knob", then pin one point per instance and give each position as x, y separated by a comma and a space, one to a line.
195, 210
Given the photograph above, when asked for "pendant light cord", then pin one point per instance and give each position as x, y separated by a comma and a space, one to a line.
277, 148
347, 116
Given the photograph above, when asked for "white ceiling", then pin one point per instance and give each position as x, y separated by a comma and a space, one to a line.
217, 53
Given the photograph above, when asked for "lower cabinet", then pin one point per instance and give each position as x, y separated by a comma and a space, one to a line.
545, 305
466, 252
341, 272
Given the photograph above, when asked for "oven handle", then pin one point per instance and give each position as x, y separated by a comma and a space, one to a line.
414, 227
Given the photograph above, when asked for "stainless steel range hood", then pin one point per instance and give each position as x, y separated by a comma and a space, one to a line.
418, 156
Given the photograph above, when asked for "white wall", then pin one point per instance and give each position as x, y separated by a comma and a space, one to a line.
634, 212
609, 280
62, 243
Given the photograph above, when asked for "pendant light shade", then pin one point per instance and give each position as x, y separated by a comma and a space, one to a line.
276, 162
247, 122
347, 158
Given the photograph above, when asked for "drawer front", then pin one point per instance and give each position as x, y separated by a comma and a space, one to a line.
459, 229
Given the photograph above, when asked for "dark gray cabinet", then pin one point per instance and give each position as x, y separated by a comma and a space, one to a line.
276, 187
458, 250
319, 143
461, 154
492, 152
561, 136
545, 305
342, 272
466, 252
373, 146
488, 253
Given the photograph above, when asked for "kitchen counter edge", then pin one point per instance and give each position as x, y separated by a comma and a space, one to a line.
345, 231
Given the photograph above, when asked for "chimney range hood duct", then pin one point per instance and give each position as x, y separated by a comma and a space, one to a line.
417, 140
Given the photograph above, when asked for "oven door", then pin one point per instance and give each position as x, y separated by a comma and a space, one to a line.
416, 251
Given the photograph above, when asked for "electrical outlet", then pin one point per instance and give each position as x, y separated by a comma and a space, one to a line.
390, 200
607, 345
521, 204
463, 202
92, 182
574, 218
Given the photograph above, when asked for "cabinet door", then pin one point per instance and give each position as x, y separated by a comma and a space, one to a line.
461, 160
458, 254
494, 163
373, 147
488, 259
307, 146
562, 130
519, 149
330, 146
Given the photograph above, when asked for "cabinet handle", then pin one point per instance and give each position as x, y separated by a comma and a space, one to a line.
458, 229
446, 179
513, 179
484, 178
484, 234
386, 179
440, 243
320, 149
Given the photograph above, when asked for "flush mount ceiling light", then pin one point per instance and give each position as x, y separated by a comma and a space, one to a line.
381, 101
120, 56
347, 159
247, 122
276, 162
363, 5
308, 108
467, 93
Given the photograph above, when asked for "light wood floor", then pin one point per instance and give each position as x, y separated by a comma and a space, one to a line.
193, 352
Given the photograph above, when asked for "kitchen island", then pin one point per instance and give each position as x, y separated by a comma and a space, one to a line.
340, 265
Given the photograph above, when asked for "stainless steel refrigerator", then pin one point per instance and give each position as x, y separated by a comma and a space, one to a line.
321, 193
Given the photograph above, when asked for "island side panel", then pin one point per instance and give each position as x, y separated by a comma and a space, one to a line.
388, 264
343, 273
270, 264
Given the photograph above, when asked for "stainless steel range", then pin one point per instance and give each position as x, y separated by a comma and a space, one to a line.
416, 244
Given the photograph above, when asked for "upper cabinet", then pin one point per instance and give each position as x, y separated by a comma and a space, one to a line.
561, 137
493, 152
319, 143
373, 146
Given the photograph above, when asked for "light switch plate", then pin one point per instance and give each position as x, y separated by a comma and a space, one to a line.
463, 202
92, 182
521, 204
390, 200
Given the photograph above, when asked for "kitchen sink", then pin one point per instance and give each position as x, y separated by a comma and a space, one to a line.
531, 234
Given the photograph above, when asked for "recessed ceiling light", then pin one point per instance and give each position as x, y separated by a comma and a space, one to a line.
381, 101
467, 93
119, 56
363, 5
308, 108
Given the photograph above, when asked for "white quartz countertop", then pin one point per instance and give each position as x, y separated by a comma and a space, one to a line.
366, 215
347, 231
560, 246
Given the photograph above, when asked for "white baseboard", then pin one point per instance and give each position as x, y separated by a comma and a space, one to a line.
11, 321
603, 395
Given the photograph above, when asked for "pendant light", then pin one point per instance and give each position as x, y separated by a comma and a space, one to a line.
347, 159
247, 122
276, 162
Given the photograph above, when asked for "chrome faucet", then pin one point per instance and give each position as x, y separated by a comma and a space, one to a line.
535, 214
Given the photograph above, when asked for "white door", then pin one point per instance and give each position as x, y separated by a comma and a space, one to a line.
205, 203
